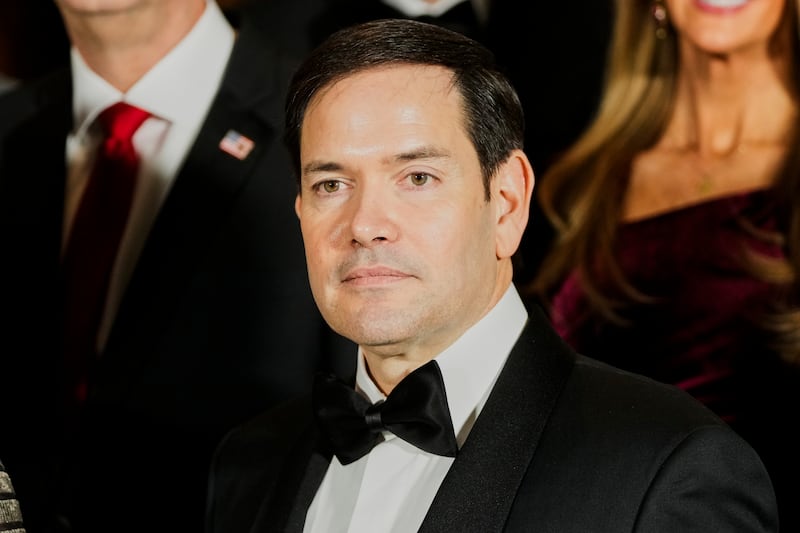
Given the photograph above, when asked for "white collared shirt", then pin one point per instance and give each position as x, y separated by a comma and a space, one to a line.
178, 92
391, 488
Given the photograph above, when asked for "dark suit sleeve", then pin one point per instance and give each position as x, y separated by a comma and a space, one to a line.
243, 474
257, 467
712, 481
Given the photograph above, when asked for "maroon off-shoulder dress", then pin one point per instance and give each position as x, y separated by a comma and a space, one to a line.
701, 329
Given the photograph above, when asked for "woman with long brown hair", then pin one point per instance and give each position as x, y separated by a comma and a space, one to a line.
677, 216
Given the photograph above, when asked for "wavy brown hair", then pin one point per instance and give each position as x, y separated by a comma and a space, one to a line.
583, 191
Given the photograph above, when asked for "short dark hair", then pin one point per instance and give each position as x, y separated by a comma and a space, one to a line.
494, 118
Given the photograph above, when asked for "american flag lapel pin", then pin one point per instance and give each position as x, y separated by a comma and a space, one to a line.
236, 144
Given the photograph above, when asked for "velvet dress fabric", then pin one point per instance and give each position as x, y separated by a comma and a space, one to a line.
699, 329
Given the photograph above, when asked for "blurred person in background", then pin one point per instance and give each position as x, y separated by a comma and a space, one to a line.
677, 220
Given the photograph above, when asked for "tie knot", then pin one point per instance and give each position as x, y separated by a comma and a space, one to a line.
120, 121
373, 417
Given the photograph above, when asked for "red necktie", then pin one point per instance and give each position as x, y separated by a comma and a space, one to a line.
94, 240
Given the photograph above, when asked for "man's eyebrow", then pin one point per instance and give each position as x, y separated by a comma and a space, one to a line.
322, 166
412, 155
427, 152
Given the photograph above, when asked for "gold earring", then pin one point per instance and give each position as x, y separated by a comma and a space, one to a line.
659, 11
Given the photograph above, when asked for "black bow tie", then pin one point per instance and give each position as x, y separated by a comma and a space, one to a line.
416, 411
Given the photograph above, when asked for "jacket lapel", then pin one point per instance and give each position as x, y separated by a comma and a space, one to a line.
317, 467
479, 489
201, 199
301, 477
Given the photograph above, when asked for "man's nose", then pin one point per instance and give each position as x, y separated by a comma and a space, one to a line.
372, 218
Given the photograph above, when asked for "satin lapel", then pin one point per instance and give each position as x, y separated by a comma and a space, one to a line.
479, 489
202, 197
300, 479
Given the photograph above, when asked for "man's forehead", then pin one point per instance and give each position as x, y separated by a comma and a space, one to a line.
397, 74
415, 103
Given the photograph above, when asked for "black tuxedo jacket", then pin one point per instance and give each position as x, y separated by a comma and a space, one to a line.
217, 323
563, 444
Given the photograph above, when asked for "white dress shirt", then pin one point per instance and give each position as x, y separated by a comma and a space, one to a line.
391, 488
178, 92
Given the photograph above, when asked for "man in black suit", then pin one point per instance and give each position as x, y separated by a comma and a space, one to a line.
207, 319
468, 413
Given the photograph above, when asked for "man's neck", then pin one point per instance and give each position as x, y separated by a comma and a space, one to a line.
122, 46
388, 364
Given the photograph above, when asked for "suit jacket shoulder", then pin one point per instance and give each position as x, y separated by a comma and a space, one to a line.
621, 452
258, 463
29, 97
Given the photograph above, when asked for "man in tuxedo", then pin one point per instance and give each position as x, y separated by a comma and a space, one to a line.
466, 413
201, 315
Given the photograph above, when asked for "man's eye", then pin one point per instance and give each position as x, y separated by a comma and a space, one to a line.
330, 186
419, 179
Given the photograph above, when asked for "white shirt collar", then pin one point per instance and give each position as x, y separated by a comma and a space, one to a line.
471, 364
192, 70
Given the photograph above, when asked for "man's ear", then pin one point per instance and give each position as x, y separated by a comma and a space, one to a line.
298, 203
512, 188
